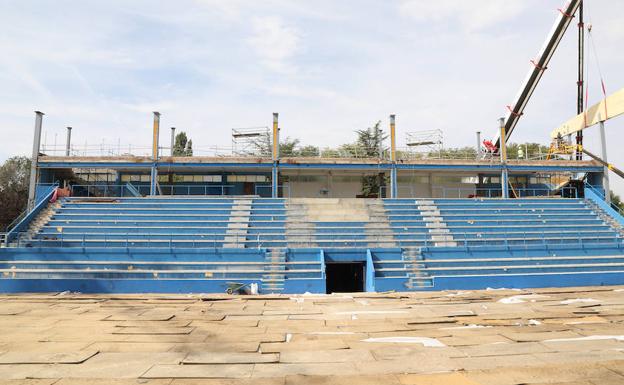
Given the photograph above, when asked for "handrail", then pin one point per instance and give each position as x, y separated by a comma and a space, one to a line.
31, 215
602, 195
168, 190
210, 240
483, 192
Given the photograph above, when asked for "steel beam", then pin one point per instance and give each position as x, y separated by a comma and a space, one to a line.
34, 169
394, 188
68, 143
605, 176
154, 170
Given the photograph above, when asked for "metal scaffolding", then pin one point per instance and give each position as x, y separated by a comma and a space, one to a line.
251, 141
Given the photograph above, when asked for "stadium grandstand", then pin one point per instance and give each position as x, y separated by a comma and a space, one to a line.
159, 223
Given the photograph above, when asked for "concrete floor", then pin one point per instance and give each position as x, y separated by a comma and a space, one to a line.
497, 337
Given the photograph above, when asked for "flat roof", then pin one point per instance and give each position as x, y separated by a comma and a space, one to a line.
133, 162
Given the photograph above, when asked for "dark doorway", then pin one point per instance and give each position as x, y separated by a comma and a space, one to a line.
248, 188
344, 277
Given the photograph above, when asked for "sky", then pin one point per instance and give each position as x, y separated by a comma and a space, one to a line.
328, 67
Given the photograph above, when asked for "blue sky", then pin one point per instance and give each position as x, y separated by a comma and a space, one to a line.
328, 68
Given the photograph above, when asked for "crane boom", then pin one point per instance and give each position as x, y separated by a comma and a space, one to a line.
538, 67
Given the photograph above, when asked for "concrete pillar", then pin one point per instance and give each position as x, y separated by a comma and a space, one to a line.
32, 187
154, 171
173, 129
275, 151
68, 143
275, 155
155, 137
503, 159
394, 188
605, 175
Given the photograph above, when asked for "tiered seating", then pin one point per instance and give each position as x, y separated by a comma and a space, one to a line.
524, 266
137, 222
267, 223
150, 270
407, 223
487, 222
182, 244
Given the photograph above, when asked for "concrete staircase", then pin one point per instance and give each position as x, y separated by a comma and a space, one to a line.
608, 219
40, 220
378, 229
304, 214
236, 232
299, 230
440, 234
414, 265
275, 271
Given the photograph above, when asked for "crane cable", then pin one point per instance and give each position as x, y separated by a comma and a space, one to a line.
592, 46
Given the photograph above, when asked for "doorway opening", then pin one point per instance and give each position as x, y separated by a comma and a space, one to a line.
344, 277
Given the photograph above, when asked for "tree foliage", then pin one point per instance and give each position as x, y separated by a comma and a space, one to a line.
369, 144
525, 150
14, 179
616, 201
288, 148
182, 145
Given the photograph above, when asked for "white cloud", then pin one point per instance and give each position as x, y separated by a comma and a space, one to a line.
473, 15
275, 43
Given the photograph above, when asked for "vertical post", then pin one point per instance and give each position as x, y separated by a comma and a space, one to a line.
173, 129
478, 144
275, 139
605, 175
579, 84
68, 144
32, 188
155, 136
503, 159
154, 171
275, 156
393, 171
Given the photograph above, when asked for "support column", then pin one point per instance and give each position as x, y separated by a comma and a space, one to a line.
34, 162
154, 172
503, 159
173, 129
275, 157
68, 144
605, 175
579, 84
394, 188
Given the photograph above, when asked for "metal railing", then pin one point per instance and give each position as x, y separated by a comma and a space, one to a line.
305, 239
266, 190
489, 192
121, 190
405, 153
477, 192
601, 193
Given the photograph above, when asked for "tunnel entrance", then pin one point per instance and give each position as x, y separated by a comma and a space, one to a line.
344, 277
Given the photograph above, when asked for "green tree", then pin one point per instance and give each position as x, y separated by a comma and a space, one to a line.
369, 144
309, 151
288, 147
182, 145
616, 201
525, 150
14, 179
369, 141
